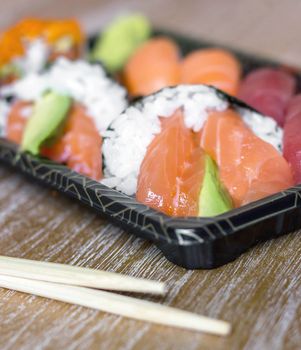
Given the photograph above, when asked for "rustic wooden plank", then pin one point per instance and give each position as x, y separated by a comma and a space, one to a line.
260, 293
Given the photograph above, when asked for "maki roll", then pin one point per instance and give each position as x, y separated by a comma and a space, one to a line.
190, 150
63, 112
32, 43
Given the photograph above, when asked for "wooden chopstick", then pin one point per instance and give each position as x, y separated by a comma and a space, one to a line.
78, 276
117, 304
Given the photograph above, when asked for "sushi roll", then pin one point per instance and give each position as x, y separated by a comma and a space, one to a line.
63, 112
190, 150
32, 43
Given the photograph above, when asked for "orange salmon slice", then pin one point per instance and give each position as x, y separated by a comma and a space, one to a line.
250, 168
17, 120
215, 67
80, 145
156, 64
171, 173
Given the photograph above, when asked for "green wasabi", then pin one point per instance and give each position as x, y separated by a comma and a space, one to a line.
214, 199
119, 40
48, 115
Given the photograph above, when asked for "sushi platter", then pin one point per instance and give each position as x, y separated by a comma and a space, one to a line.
148, 155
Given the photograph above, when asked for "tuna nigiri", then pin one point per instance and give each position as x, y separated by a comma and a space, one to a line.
215, 67
291, 137
268, 90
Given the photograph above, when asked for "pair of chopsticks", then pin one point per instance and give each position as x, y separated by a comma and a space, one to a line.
77, 285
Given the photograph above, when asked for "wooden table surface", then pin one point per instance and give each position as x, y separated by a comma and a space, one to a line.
260, 293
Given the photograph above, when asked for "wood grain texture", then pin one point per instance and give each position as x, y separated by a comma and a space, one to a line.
260, 293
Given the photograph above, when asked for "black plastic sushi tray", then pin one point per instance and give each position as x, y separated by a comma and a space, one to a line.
189, 242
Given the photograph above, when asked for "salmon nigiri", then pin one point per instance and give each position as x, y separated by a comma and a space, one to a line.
250, 168
153, 66
215, 67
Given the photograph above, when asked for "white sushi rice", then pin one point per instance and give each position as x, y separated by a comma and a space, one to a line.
84, 82
131, 133
35, 57
264, 127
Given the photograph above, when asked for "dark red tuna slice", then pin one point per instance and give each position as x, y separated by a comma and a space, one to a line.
292, 138
268, 90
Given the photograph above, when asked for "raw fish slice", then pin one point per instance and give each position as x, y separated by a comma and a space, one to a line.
249, 167
16, 121
153, 66
293, 107
268, 90
291, 137
186, 200
171, 173
215, 67
80, 145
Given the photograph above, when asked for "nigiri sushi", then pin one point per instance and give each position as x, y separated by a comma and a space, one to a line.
154, 65
291, 137
268, 90
181, 146
32, 43
43, 121
216, 67
157, 64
